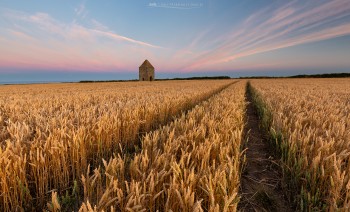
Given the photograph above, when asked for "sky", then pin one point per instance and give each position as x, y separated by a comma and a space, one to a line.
66, 40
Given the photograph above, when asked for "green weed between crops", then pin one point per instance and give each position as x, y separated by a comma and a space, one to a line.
300, 192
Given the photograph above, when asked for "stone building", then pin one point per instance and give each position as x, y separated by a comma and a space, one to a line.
146, 71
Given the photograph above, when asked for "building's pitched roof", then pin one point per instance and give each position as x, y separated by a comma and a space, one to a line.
146, 64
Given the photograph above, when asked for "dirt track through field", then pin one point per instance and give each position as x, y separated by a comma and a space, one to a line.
132, 151
141, 134
261, 188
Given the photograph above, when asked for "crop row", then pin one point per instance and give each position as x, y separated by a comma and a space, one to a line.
191, 164
51, 134
310, 122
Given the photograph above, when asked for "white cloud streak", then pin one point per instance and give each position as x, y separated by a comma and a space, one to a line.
81, 11
49, 25
294, 23
123, 38
40, 41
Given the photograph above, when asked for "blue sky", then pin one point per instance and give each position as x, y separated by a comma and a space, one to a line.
73, 40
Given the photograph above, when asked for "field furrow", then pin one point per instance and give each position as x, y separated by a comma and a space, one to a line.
191, 164
51, 134
309, 121
176, 146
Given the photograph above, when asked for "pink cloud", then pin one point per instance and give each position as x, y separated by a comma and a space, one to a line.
123, 38
40, 42
288, 25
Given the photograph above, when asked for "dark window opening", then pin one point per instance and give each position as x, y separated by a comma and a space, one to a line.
150, 78
143, 79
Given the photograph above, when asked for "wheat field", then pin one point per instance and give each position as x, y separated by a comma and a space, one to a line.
52, 134
312, 118
191, 164
169, 146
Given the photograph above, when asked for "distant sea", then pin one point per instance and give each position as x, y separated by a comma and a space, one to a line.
30, 82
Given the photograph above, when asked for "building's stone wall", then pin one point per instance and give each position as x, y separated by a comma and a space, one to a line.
146, 74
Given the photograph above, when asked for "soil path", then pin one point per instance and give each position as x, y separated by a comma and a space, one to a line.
261, 187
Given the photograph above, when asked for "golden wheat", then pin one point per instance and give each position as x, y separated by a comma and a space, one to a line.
191, 164
313, 116
51, 134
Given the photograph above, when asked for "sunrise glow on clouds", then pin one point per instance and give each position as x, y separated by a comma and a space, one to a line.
270, 29
37, 40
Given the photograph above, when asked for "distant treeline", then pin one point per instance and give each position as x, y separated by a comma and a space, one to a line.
333, 75
259, 77
133, 80
198, 78
92, 81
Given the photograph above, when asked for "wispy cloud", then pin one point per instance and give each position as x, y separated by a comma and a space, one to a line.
123, 38
99, 26
47, 23
81, 11
39, 40
272, 28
